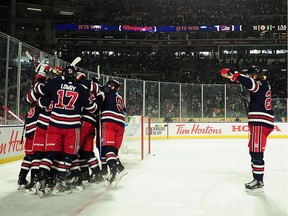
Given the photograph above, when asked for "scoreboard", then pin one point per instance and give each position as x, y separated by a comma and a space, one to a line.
184, 28
270, 27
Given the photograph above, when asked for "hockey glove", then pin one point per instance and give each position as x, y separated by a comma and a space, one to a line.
96, 80
57, 70
227, 73
80, 76
44, 69
100, 97
105, 89
40, 78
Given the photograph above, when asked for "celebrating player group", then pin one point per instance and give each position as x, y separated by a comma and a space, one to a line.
67, 111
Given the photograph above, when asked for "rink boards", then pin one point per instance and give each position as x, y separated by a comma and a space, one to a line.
210, 130
12, 149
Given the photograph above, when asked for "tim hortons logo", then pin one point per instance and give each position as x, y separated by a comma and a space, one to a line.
245, 128
13, 145
196, 129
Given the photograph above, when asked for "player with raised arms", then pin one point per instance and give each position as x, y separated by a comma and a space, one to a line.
260, 119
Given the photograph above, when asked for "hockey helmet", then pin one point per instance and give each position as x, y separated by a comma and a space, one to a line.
255, 69
70, 73
114, 83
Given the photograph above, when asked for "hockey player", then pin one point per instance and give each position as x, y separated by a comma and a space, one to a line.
260, 119
36, 103
39, 141
63, 132
112, 126
30, 128
87, 134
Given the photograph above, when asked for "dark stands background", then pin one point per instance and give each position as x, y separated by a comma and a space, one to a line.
187, 57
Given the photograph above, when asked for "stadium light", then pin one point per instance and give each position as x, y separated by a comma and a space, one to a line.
34, 9
67, 13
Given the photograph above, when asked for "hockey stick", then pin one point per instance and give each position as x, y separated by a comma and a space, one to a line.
244, 99
98, 72
39, 66
31, 59
24, 126
36, 68
241, 86
11, 113
29, 55
99, 127
76, 61
100, 140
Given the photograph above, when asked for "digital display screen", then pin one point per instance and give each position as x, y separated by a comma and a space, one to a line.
164, 29
270, 27
129, 28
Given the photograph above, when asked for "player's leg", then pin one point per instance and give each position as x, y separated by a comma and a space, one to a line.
258, 166
119, 138
71, 144
110, 154
26, 163
87, 151
53, 146
39, 141
257, 145
108, 134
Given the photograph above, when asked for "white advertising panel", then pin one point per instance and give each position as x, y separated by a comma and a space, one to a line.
10, 143
12, 149
210, 130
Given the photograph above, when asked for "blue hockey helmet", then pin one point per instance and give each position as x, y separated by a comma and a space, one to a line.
70, 73
114, 83
255, 69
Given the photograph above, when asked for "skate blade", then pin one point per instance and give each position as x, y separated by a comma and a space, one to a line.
85, 182
21, 187
61, 193
77, 189
258, 190
40, 193
31, 191
114, 183
121, 174
48, 190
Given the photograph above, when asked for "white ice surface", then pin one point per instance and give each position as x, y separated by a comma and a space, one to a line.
180, 178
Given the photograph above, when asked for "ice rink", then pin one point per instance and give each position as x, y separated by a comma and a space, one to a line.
180, 178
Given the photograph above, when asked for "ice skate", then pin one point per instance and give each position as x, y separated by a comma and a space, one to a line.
31, 188
76, 184
49, 185
254, 186
85, 178
96, 178
22, 182
61, 188
113, 177
40, 188
121, 170
104, 171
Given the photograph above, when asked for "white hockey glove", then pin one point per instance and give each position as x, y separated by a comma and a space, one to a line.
44, 69
100, 97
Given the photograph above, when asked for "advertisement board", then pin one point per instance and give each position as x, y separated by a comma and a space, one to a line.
11, 147
191, 130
